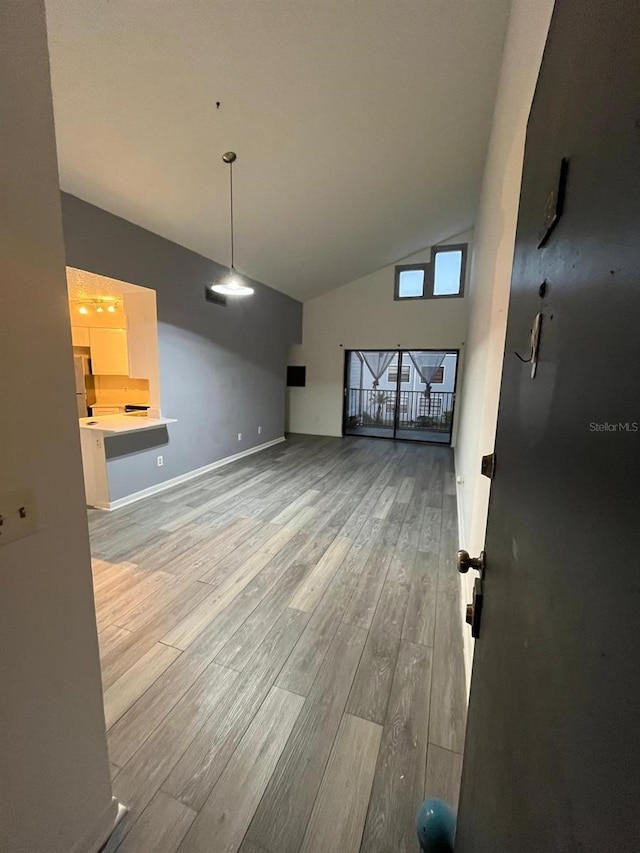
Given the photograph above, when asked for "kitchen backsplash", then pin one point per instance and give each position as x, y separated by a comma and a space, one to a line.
119, 390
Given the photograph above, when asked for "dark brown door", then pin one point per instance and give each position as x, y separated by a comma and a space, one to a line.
552, 759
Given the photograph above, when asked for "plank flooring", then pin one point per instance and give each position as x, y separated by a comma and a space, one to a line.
281, 651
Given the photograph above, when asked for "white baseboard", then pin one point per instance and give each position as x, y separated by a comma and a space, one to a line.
190, 475
99, 834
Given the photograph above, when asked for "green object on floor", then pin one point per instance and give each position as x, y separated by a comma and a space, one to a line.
436, 826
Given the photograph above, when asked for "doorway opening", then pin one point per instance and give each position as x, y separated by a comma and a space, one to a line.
114, 331
400, 394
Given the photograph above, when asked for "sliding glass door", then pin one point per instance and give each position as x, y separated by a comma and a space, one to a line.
402, 394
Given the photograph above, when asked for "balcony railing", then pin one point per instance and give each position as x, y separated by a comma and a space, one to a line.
415, 409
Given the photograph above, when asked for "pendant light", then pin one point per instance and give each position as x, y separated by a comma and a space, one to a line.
233, 284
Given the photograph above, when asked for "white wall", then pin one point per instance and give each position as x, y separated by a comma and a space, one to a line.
491, 263
55, 792
364, 315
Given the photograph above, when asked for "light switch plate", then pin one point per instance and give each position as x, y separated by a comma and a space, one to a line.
18, 514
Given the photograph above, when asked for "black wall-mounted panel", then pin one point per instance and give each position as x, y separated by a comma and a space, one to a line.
216, 298
296, 376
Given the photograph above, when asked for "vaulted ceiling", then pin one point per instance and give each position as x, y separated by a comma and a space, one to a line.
361, 126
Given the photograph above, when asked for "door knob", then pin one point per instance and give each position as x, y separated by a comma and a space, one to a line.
465, 562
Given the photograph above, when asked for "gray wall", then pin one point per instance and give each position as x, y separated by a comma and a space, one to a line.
55, 790
222, 369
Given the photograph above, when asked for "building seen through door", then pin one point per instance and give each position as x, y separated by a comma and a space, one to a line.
402, 394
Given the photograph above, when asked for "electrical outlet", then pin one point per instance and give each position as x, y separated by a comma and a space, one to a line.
259, 430
239, 436
18, 515
160, 461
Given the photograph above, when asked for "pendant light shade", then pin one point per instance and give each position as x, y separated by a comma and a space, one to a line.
233, 284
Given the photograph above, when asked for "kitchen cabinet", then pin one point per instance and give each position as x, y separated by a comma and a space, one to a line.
109, 352
79, 336
140, 310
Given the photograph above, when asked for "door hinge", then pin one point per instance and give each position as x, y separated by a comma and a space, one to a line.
488, 466
474, 610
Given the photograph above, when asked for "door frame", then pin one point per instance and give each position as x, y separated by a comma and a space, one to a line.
401, 350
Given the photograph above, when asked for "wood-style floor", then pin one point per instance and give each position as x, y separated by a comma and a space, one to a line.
281, 651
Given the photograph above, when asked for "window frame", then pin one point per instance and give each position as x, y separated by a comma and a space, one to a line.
442, 371
429, 274
428, 280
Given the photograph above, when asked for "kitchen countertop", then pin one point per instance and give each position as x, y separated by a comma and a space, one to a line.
118, 424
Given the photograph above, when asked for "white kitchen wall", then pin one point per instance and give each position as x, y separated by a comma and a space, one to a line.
55, 790
491, 263
364, 315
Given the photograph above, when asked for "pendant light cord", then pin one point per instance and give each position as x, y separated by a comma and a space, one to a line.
231, 206
233, 285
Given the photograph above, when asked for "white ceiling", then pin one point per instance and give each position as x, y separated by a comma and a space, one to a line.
83, 285
360, 125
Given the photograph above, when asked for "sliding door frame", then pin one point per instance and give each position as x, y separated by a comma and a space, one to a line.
401, 352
